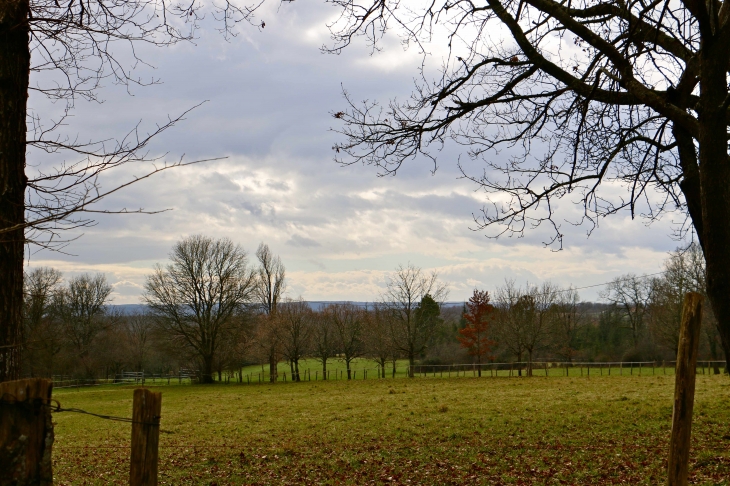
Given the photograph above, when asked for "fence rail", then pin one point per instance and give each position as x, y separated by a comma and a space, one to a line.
491, 370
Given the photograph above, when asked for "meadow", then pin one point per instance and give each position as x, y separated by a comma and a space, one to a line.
555, 430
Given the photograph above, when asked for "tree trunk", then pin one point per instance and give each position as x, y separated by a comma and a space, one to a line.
714, 183
14, 72
296, 368
207, 375
411, 363
347, 365
324, 369
272, 369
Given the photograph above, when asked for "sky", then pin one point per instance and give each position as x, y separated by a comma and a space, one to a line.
268, 96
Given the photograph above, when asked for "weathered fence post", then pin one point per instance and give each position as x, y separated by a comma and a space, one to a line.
146, 409
684, 390
26, 433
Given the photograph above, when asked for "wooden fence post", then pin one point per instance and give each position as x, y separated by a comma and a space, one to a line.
146, 409
684, 390
26, 433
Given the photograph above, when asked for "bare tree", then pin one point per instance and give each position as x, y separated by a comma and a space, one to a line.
269, 342
324, 340
42, 336
568, 318
199, 298
139, 327
587, 96
684, 271
295, 319
81, 309
526, 318
405, 291
631, 294
271, 282
377, 337
74, 46
348, 323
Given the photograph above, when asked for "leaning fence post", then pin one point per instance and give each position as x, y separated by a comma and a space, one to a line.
684, 390
26, 433
145, 437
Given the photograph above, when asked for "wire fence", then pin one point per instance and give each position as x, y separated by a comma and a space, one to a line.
460, 370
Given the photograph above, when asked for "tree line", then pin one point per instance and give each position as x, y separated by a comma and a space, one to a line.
212, 310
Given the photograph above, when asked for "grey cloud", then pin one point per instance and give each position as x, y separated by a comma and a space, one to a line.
302, 241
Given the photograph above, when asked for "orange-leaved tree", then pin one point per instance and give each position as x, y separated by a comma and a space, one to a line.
475, 336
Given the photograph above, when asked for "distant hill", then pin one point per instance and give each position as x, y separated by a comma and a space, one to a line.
127, 309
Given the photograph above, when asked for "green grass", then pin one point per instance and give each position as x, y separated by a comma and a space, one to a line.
597, 430
336, 368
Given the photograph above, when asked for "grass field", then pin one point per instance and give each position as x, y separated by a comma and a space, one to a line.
597, 430
312, 369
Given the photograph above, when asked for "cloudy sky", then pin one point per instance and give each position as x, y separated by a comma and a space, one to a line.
269, 95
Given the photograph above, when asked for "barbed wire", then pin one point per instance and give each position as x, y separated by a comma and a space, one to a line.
55, 407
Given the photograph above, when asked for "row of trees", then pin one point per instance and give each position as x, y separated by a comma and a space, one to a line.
640, 321
209, 309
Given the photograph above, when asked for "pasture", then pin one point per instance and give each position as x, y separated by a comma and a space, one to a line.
556, 430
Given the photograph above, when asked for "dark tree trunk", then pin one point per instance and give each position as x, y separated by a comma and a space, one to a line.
296, 369
324, 369
347, 365
207, 371
412, 364
272, 369
14, 71
714, 183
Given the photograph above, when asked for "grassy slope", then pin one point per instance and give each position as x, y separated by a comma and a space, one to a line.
422, 431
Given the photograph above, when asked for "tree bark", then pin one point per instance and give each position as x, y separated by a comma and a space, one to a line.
14, 72
207, 375
714, 182
26, 433
684, 391
272, 369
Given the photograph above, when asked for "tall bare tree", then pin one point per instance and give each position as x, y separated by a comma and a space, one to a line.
271, 282
348, 323
405, 290
200, 297
81, 309
684, 271
42, 337
631, 295
139, 328
324, 340
568, 318
295, 318
377, 337
526, 318
269, 342
586, 96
